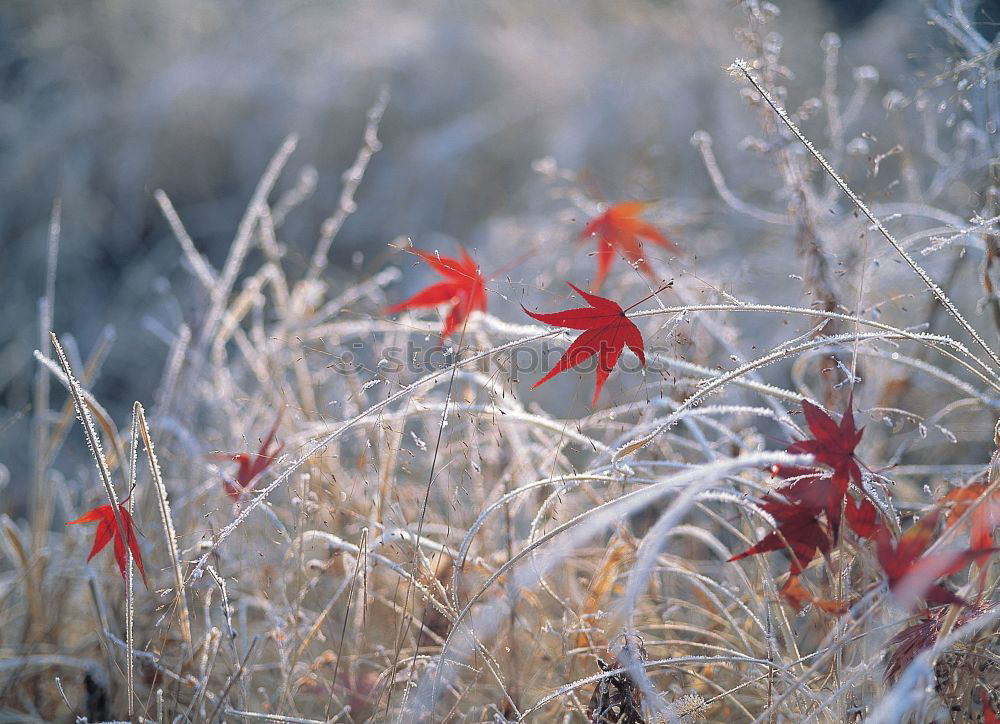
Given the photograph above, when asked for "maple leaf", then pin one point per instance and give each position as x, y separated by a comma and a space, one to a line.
251, 466
833, 445
861, 517
801, 531
810, 488
989, 716
912, 574
619, 230
806, 487
463, 287
799, 528
923, 634
606, 332
107, 530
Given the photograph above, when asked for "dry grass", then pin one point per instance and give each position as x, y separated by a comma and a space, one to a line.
436, 542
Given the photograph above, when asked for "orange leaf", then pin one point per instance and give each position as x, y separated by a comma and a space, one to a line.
463, 287
983, 519
911, 573
618, 230
798, 596
604, 577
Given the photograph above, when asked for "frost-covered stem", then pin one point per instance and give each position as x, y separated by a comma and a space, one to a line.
199, 265
130, 574
304, 187
238, 674
168, 524
709, 387
244, 234
359, 562
354, 293
41, 499
93, 440
211, 651
92, 404
743, 68
782, 309
282, 719
175, 361
834, 120
258, 499
404, 623
703, 142
352, 179
226, 612
87, 376
601, 516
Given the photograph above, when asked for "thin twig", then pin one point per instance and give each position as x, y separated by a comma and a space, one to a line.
229, 684
167, 522
93, 440
133, 459
41, 508
199, 265
352, 179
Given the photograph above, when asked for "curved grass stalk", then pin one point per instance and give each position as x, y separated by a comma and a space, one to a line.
93, 439
938, 293
907, 692
91, 403
241, 242
985, 373
258, 499
339, 544
631, 447
488, 411
653, 664
463, 549
693, 480
781, 309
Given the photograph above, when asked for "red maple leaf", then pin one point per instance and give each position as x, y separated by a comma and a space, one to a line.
799, 528
107, 529
607, 331
802, 532
464, 288
833, 445
861, 517
989, 716
912, 574
923, 634
618, 230
251, 466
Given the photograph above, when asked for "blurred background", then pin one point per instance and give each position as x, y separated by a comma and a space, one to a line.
103, 103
